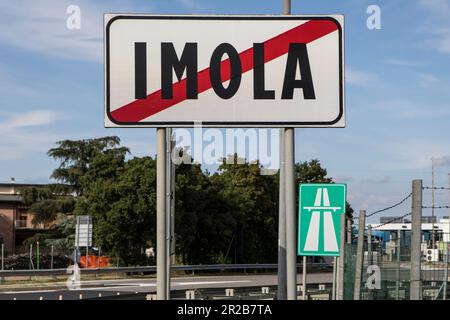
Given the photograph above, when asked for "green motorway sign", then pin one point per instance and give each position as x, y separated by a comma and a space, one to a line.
320, 209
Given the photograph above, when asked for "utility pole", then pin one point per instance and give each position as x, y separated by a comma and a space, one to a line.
397, 275
359, 255
349, 231
161, 216
432, 201
369, 254
289, 158
3, 261
446, 246
281, 291
416, 231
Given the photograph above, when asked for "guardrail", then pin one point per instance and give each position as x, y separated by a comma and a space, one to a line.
140, 269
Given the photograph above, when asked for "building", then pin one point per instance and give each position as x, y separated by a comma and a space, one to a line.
391, 219
389, 231
15, 220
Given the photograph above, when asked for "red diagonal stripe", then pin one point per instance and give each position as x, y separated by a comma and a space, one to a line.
273, 48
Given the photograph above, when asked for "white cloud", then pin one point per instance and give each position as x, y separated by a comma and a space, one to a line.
406, 109
359, 78
404, 63
414, 153
436, 6
40, 26
442, 161
427, 80
28, 119
439, 26
190, 4
22, 134
443, 44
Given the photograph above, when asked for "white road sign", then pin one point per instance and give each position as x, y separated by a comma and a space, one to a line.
224, 71
83, 231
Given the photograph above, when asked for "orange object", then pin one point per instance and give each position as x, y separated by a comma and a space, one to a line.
94, 262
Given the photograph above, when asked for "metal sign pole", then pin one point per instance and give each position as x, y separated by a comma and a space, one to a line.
291, 252
341, 261
168, 206
305, 259
172, 205
77, 241
281, 291
289, 158
333, 288
161, 226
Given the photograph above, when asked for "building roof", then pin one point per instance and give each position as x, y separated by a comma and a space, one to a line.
10, 198
14, 184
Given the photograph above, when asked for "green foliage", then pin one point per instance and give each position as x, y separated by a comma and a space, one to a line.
46, 202
121, 197
203, 224
76, 156
61, 236
229, 216
253, 208
22, 261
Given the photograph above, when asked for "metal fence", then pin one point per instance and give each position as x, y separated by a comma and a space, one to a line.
386, 268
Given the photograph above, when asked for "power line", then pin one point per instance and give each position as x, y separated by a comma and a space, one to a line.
390, 221
390, 207
435, 207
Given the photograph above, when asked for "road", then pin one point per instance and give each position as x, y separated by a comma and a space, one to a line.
113, 288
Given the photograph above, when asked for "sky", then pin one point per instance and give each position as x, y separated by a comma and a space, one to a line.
397, 91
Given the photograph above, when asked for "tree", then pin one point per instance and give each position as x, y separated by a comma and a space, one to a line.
312, 172
121, 197
46, 202
61, 236
76, 156
253, 206
203, 224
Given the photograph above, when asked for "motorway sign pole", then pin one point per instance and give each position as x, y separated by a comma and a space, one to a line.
341, 261
305, 260
321, 208
161, 215
333, 286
